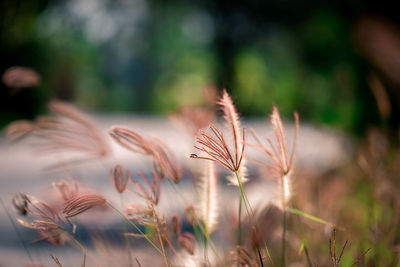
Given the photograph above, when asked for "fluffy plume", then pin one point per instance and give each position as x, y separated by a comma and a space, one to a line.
208, 197
233, 124
282, 159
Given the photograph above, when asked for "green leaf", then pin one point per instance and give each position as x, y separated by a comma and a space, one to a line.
301, 248
311, 217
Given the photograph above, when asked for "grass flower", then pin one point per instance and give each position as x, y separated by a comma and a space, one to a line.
278, 153
216, 149
46, 220
81, 203
282, 163
140, 213
119, 178
233, 124
164, 160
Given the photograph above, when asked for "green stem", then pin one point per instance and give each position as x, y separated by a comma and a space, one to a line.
243, 196
239, 219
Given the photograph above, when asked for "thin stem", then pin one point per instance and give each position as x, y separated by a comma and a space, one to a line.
243, 196
260, 257
205, 248
124, 230
17, 231
249, 210
283, 239
283, 193
137, 228
239, 219
240, 209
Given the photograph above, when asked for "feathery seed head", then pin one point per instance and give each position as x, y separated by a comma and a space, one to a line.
216, 147
142, 214
278, 152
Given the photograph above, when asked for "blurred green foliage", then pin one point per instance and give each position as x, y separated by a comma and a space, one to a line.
152, 57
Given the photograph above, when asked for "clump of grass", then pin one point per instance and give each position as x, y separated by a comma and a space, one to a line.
175, 240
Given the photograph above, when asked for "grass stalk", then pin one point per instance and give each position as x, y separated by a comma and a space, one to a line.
283, 239
205, 248
284, 223
158, 231
124, 230
239, 219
